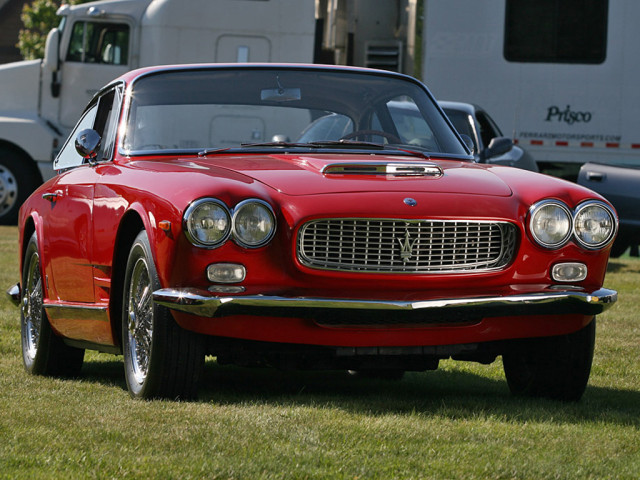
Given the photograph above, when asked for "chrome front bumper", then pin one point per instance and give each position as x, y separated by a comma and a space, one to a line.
203, 303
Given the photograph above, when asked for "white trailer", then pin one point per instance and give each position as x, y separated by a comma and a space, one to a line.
561, 76
40, 101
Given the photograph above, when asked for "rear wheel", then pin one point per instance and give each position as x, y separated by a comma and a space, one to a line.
43, 352
552, 367
161, 360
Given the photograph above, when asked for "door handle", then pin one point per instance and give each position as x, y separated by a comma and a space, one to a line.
52, 197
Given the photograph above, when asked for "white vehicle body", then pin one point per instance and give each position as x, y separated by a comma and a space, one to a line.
565, 110
40, 101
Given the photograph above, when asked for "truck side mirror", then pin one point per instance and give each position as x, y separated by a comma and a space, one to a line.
51, 60
51, 50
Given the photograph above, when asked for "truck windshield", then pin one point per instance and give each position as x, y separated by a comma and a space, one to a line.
222, 108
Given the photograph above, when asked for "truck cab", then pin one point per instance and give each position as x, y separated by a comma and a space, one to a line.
41, 100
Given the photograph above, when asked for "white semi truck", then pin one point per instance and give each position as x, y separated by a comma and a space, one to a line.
41, 100
561, 76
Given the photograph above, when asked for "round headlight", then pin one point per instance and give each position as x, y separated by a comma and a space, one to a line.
207, 223
254, 223
550, 223
594, 224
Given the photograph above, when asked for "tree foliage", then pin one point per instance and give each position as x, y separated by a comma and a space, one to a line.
38, 18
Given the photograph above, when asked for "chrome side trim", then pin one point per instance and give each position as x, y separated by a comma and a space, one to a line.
202, 303
76, 312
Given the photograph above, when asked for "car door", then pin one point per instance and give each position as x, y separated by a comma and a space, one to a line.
68, 224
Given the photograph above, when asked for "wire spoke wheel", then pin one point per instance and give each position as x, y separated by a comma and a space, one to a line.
32, 308
161, 359
140, 318
43, 352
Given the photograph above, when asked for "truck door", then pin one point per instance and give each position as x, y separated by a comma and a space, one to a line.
98, 52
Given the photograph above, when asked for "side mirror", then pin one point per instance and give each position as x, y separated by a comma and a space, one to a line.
498, 146
52, 51
88, 144
468, 142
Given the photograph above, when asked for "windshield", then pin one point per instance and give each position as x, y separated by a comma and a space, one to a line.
208, 109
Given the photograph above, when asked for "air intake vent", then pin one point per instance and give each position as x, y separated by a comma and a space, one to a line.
384, 55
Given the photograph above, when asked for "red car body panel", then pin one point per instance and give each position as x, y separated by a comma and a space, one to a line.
93, 201
89, 222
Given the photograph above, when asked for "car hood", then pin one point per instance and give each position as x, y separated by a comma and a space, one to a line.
311, 174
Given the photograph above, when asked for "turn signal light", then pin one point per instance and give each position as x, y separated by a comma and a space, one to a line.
569, 272
226, 272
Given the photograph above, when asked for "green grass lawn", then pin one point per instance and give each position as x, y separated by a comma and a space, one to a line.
457, 422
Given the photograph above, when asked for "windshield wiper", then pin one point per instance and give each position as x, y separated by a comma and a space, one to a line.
208, 151
258, 145
319, 144
278, 144
377, 146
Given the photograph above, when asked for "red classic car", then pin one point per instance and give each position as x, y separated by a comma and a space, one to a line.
185, 222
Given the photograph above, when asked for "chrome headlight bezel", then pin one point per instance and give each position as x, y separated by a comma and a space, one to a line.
239, 236
534, 223
190, 228
611, 219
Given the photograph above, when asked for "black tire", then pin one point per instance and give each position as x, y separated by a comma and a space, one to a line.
19, 177
161, 360
620, 245
43, 352
553, 367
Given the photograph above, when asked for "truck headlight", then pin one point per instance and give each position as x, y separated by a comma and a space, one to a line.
550, 223
594, 224
254, 223
207, 223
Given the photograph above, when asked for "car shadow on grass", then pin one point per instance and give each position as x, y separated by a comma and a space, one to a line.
444, 392
616, 266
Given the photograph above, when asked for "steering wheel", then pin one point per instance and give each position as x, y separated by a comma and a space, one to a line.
359, 133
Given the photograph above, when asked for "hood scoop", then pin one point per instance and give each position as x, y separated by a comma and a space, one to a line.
384, 168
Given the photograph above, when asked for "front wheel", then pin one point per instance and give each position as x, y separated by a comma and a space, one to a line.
552, 367
43, 352
18, 178
161, 360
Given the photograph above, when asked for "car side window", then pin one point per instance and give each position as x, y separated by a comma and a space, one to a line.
68, 157
106, 123
96, 42
102, 117
463, 123
488, 129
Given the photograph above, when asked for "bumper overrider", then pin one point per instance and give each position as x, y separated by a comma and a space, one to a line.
558, 302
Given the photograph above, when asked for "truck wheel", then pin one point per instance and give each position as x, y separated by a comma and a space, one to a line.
43, 352
552, 367
161, 359
18, 179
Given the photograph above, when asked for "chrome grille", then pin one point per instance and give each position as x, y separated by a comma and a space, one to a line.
405, 246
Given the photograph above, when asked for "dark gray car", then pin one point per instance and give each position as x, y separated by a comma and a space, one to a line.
490, 145
620, 184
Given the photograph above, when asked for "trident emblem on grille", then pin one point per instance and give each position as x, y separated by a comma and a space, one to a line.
406, 246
